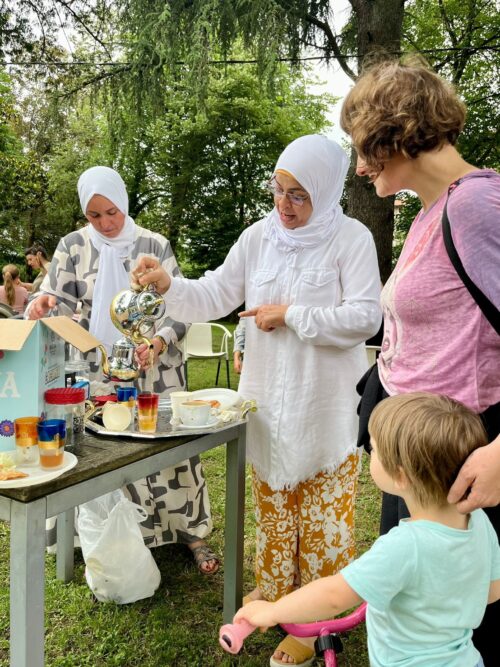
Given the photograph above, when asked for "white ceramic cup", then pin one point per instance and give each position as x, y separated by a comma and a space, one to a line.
194, 413
116, 416
178, 397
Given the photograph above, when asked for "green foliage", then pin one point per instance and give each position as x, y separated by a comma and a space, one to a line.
201, 31
179, 625
410, 206
83, 143
467, 27
8, 140
22, 179
216, 162
194, 140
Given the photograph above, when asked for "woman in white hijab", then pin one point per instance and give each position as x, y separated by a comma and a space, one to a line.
91, 265
308, 275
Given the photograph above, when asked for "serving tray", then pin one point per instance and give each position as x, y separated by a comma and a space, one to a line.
164, 428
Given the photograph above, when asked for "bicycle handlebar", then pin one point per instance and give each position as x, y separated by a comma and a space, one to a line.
232, 635
326, 627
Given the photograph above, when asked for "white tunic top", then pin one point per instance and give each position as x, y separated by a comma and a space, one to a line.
302, 375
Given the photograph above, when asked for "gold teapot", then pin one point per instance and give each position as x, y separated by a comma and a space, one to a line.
133, 312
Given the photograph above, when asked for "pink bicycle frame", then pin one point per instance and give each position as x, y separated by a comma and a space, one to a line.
231, 636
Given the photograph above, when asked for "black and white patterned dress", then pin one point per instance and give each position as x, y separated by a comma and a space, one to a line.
176, 499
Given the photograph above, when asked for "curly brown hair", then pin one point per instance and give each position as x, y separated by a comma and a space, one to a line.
401, 108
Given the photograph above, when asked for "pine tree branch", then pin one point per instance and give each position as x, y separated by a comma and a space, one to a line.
332, 41
77, 18
95, 79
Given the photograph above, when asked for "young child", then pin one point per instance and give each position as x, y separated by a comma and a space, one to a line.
428, 581
239, 345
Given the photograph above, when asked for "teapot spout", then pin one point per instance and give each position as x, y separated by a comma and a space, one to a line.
104, 360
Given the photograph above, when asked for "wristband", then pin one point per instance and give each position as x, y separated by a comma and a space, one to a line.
163, 344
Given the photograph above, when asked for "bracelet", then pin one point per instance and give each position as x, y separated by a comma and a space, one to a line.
163, 344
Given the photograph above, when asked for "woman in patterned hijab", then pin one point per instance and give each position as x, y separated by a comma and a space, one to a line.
90, 266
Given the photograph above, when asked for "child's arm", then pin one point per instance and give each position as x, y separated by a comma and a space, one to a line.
494, 593
323, 598
237, 362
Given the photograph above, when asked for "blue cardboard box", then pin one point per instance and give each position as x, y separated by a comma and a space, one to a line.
32, 361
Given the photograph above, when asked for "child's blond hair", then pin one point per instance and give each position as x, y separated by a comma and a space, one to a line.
428, 437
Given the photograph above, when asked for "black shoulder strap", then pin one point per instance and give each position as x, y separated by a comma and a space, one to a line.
488, 309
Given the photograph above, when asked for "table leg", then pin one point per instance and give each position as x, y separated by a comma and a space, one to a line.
65, 545
234, 529
27, 582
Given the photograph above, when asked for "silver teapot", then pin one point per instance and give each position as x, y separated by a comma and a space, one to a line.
133, 312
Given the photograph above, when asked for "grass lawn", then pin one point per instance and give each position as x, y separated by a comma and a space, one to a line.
179, 625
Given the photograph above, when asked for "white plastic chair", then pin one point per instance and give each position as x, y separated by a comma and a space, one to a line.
199, 344
372, 353
7, 311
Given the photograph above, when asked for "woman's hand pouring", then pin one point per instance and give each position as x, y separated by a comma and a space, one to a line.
142, 353
149, 270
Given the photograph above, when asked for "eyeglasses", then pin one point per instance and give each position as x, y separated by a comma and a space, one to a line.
295, 200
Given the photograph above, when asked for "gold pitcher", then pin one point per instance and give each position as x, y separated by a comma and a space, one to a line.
133, 312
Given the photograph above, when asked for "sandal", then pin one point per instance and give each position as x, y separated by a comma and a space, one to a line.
302, 654
201, 555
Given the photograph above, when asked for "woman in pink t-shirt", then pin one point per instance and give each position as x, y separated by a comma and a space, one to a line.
404, 121
13, 293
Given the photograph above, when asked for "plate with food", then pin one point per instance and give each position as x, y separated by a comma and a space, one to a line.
13, 476
219, 398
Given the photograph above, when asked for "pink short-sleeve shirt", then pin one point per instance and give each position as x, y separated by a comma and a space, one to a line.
20, 301
435, 337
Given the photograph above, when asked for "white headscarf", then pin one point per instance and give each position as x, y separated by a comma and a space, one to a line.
111, 275
320, 166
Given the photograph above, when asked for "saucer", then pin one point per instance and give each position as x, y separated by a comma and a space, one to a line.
227, 398
212, 421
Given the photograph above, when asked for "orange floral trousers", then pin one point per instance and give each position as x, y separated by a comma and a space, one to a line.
306, 532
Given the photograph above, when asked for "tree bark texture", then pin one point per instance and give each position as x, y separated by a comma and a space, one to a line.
379, 29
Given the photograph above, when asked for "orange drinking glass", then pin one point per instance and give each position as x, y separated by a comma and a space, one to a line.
51, 440
147, 412
25, 429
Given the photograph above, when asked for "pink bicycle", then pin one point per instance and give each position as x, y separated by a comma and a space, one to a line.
328, 643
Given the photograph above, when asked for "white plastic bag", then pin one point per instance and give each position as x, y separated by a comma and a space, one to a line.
120, 568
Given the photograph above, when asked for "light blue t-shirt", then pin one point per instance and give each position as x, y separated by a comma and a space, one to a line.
427, 587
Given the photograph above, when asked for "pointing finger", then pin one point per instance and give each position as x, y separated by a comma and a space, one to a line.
248, 313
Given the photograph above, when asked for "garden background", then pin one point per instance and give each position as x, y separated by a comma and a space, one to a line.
179, 625
192, 101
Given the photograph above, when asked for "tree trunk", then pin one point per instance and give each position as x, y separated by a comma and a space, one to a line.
379, 29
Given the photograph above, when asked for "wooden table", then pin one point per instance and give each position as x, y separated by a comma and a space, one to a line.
104, 465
